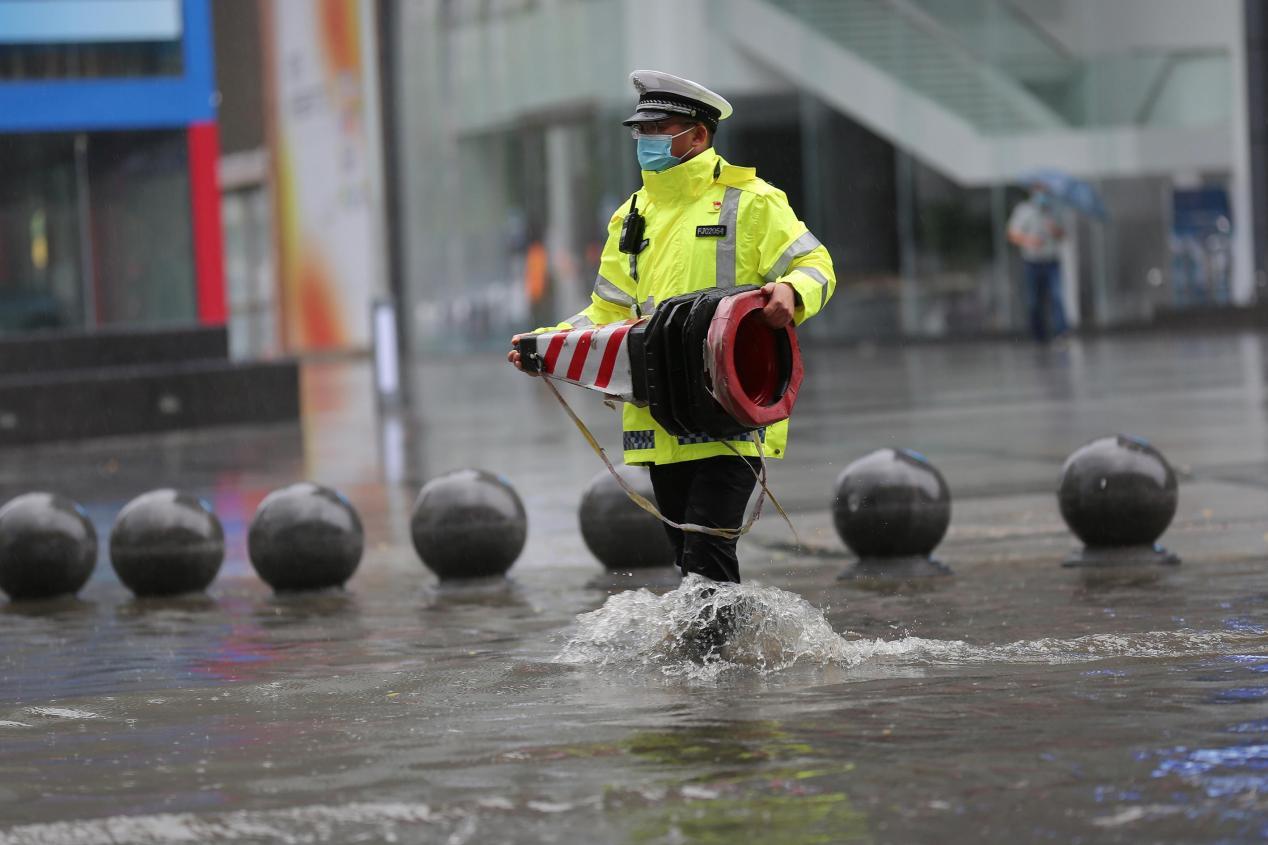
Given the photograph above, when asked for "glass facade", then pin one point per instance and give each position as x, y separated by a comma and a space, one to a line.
901, 131
143, 261
249, 278
42, 271
95, 230
109, 214
503, 224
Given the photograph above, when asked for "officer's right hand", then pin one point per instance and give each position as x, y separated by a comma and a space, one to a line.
514, 356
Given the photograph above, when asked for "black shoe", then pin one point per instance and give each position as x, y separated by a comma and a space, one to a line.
711, 630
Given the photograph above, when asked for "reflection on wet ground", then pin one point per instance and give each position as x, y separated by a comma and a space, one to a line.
1014, 701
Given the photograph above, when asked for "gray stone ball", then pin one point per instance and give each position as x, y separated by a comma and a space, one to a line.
1117, 491
618, 532
305, 537
48, 547
468, 524
166, 542
891, 503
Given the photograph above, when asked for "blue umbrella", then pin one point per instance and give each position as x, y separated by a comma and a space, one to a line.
1067, 189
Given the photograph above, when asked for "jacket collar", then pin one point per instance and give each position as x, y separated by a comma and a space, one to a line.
683, 182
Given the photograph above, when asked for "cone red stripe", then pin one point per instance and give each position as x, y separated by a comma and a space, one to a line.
552, 352
609, 357
579, 355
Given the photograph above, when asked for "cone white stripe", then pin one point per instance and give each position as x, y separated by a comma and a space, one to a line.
590, 374
621, 382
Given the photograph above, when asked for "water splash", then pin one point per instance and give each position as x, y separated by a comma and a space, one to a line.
451, 824
60, 713
289, 825
766, 629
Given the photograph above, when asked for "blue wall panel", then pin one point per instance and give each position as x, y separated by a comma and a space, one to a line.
139, 103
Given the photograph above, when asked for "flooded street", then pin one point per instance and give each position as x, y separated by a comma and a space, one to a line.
1014, 701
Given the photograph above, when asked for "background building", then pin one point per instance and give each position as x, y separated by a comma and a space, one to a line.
112, 284
109, 210
461, 158
898, 128
302, 172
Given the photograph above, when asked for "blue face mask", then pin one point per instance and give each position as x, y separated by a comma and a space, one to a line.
654, 154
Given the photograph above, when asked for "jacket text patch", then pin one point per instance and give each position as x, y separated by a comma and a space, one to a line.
711, 231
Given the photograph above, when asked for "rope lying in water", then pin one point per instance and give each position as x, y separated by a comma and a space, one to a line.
644, 503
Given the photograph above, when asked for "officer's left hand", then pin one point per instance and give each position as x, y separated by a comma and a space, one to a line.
781, 306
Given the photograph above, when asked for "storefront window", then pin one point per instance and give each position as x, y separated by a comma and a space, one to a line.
41, 271
95, 230
142, 242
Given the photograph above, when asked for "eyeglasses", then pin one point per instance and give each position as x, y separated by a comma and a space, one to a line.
667, 128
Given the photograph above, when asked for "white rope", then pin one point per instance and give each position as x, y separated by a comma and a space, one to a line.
643, 502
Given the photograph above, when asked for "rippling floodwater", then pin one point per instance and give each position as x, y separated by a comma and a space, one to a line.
552, 709
1013, 702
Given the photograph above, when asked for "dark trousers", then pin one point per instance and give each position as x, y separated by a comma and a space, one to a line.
713, 492
1043, 299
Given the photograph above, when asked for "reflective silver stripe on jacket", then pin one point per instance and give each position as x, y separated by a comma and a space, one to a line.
814, 273
649, 305
579, 321
609, 292
725, 256
804, 245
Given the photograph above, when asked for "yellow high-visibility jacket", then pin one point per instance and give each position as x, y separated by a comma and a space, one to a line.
751, 237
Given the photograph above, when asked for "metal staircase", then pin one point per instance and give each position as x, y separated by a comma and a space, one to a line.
900, 38
974, 88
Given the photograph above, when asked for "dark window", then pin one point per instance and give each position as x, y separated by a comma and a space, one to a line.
41, 266
142, 238
34, 62
95, 229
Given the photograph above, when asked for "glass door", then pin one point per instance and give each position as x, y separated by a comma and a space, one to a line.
41, 242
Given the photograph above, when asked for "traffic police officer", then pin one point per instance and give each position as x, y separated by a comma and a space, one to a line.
707, 223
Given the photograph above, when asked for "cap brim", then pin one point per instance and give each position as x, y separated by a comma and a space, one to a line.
644, 116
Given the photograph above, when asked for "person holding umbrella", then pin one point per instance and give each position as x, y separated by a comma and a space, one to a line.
1035, 228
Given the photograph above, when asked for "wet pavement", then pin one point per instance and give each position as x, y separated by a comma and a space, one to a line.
1015, 701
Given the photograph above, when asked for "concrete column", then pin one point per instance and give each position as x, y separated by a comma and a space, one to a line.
908, 285
1004, 288
561, 220
1246, 103
372, 115
1255, 133
1070, 268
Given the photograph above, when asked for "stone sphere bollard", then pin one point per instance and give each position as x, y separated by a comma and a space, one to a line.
468, 524
165, 543
1118, 495
305, 537
618, 532
892, 509
48, 547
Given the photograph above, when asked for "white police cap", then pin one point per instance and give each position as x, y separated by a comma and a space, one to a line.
662, 95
